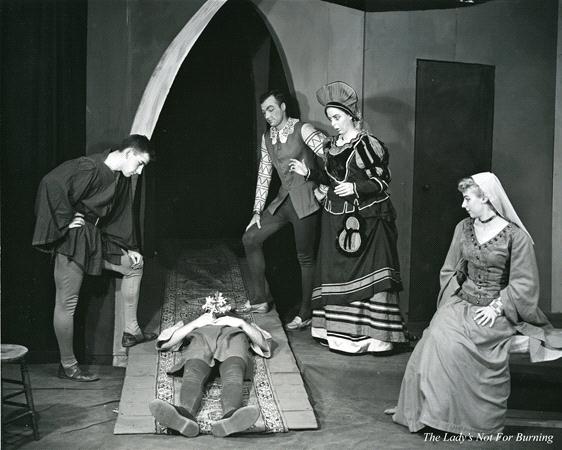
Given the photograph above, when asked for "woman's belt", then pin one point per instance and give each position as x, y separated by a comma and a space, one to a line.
94, 220
477, 300
345, 207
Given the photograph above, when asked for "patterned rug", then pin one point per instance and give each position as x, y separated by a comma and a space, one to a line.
202, 269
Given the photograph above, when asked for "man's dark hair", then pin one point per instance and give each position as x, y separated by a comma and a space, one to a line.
139, 143
278, 95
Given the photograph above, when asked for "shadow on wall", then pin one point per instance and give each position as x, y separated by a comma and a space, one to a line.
399, 115
302, 100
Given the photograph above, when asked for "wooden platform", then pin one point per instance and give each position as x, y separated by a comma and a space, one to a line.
139, 385
288, 387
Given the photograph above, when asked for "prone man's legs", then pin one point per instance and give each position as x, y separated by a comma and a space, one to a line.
195, 375
232, 372
236, 418
182, 418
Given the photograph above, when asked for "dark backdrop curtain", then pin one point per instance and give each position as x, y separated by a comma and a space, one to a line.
43, 105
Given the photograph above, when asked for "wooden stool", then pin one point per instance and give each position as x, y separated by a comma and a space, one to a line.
15, 354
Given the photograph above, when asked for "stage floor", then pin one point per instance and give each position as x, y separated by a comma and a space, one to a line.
348, 395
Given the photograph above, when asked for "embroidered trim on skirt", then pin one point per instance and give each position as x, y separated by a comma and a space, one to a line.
343, 279
360, 326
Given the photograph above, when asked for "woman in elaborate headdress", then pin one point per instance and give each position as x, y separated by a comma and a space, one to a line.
355, 299
457, 378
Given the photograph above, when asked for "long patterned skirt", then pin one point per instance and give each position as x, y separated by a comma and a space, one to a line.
362, 326
355, 299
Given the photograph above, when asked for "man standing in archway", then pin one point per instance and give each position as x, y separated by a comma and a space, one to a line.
295, 202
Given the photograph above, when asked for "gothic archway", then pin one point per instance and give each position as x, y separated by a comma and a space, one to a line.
201, 110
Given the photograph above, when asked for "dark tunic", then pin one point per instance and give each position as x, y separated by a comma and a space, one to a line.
88, 186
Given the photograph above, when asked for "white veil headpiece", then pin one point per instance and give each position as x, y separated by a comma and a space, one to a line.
493, 189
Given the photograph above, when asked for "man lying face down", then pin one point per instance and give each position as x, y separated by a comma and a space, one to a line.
208, 340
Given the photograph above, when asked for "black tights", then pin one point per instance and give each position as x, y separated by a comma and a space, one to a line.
305, 230
196, 374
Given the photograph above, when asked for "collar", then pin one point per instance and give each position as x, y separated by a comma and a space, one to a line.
284, 132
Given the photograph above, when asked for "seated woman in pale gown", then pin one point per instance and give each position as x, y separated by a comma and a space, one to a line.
457, 379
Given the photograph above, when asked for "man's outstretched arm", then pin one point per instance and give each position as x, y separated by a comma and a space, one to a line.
262, 186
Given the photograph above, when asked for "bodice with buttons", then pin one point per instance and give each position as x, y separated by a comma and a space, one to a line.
487, 264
